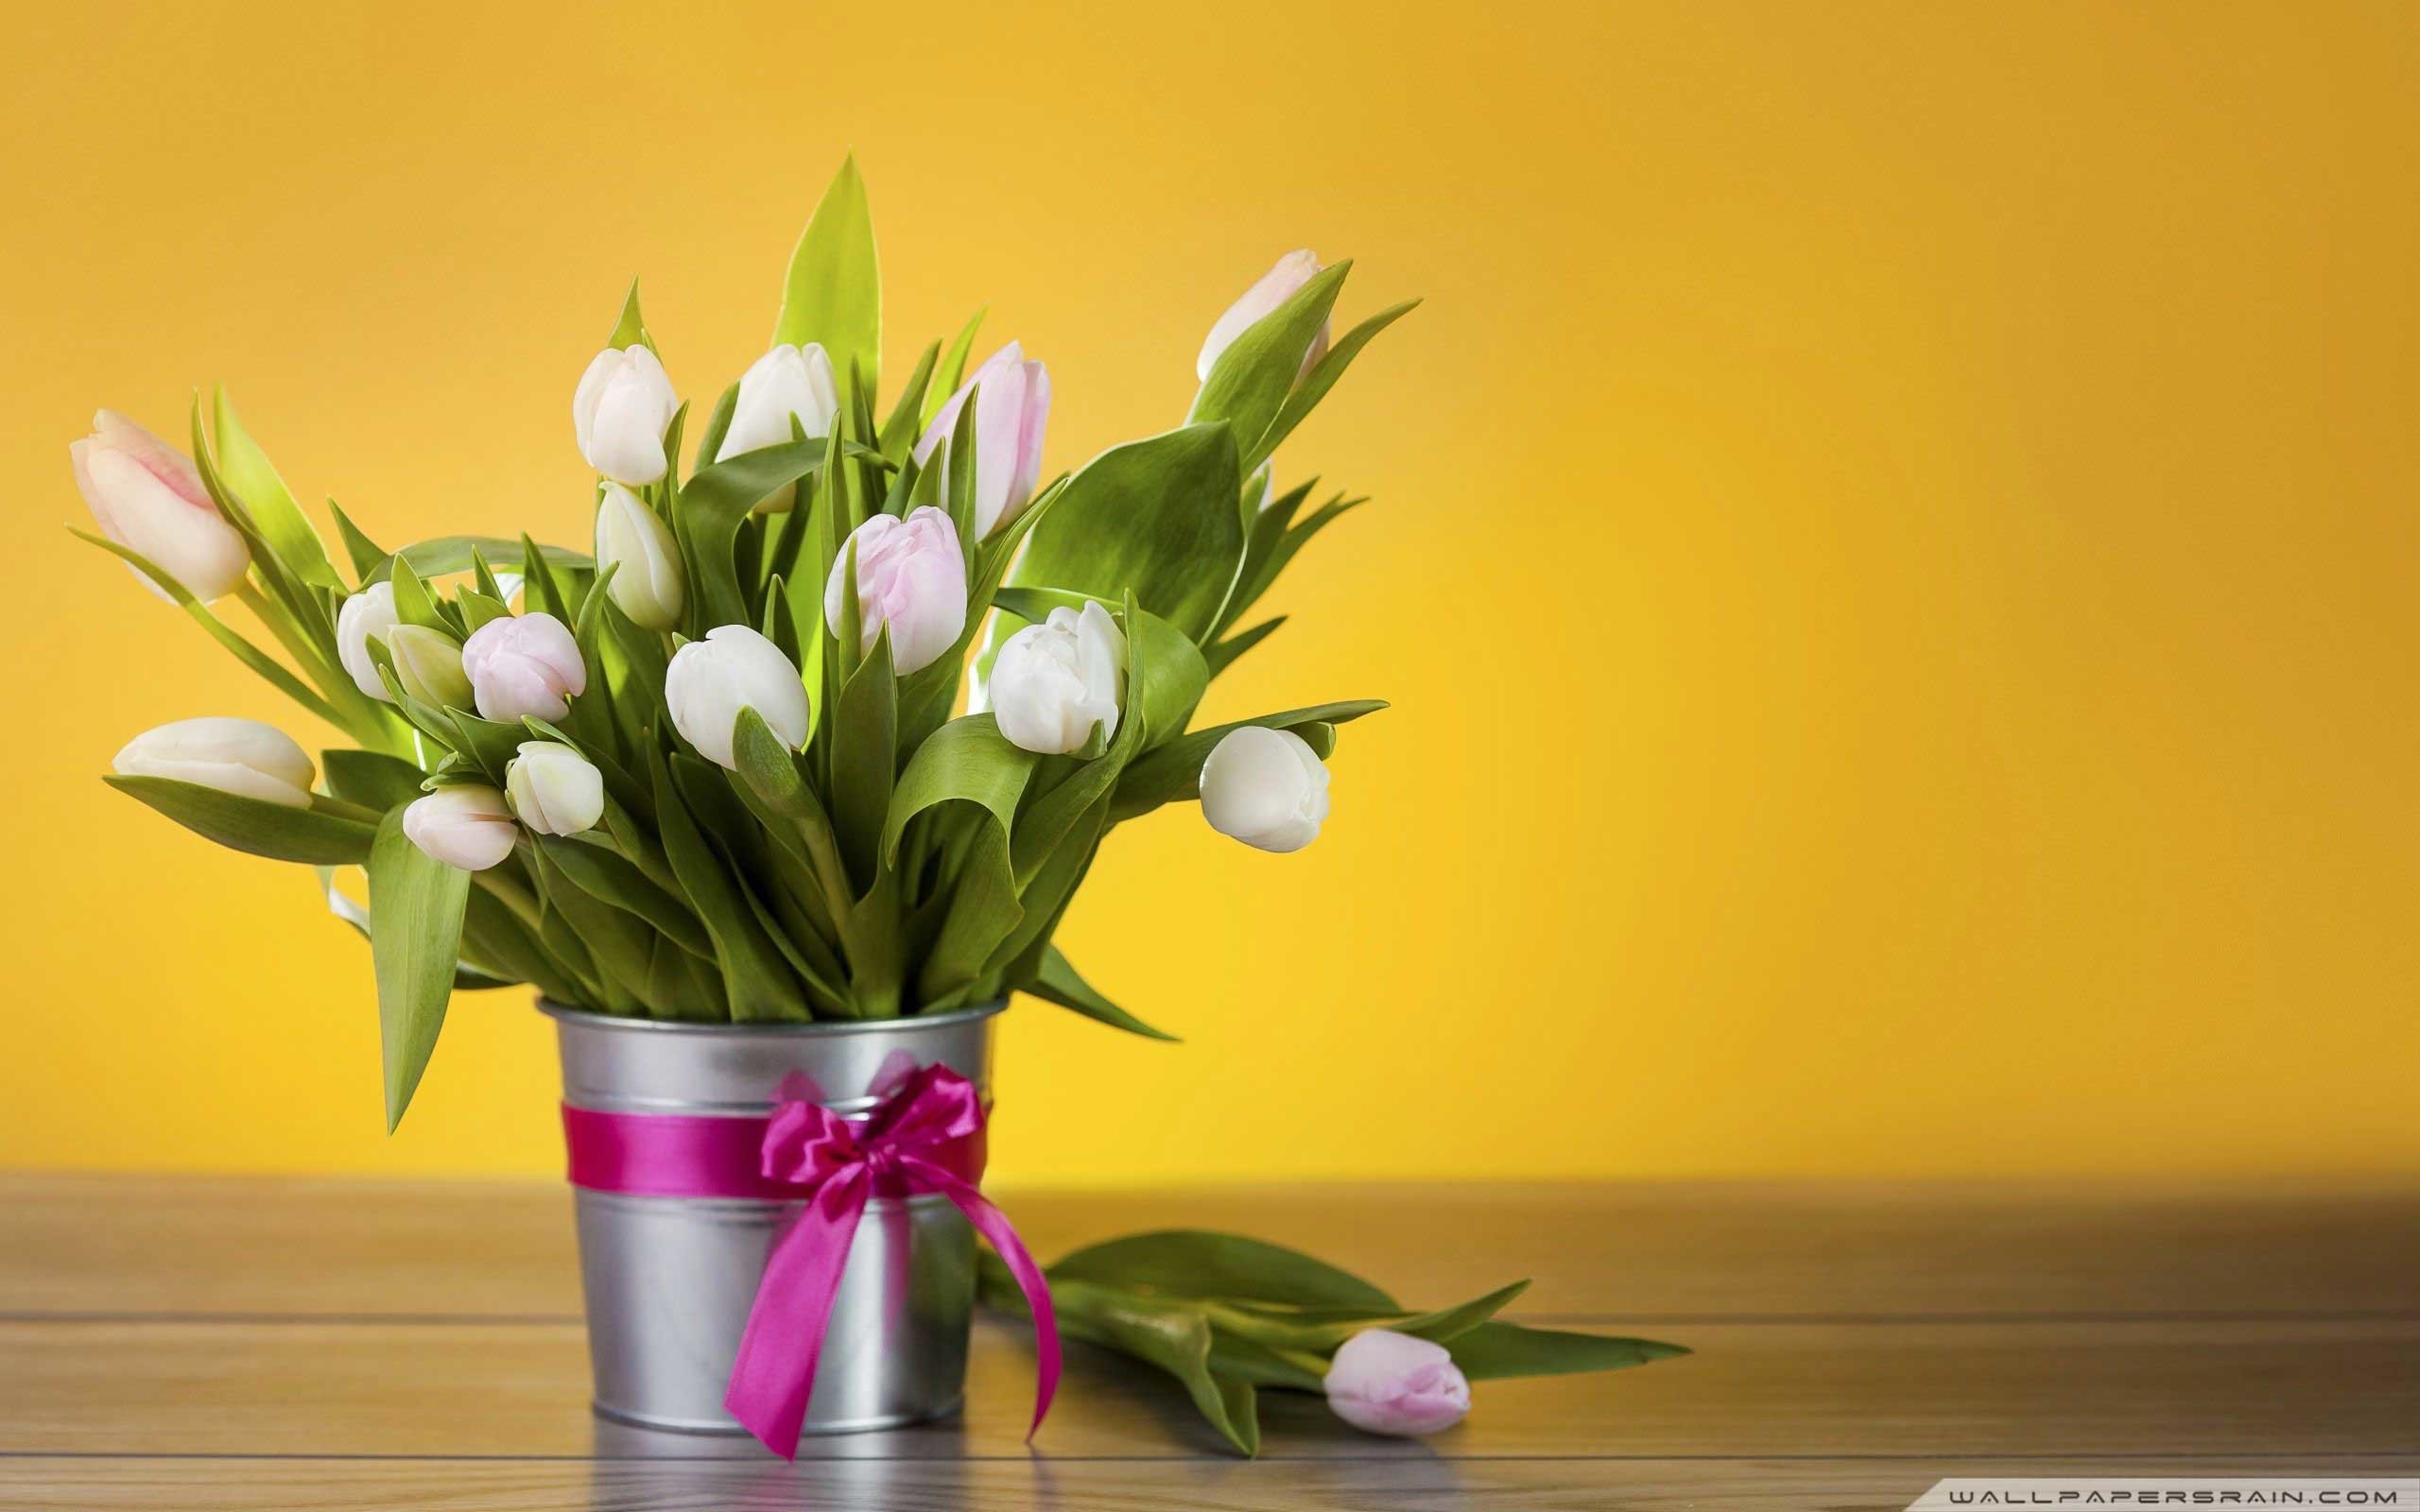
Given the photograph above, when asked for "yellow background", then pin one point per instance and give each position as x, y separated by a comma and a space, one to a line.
1893, 551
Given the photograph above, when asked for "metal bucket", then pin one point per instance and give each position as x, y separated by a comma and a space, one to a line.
669, 1280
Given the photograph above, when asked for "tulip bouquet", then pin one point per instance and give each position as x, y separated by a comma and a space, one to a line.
830, 727
719, 769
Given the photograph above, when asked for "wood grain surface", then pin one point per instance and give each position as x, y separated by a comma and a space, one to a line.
253, 1342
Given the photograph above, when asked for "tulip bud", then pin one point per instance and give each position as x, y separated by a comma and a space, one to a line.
368, 616
525, 667
1382, 1382
1010, 413
1275, 288
735, 668
554, 789
784, 384
146, 496
1052, 683
429, 665
467, 827
649, 587
911, 576
240, 756
1264, 787
623, 406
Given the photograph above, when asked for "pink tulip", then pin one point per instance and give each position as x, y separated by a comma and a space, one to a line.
1386, 1382
1009, 417
467, 827
525, 666
911, 576
1275, 288
148, 498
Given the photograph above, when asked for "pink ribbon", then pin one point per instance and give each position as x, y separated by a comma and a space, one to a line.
926, 1136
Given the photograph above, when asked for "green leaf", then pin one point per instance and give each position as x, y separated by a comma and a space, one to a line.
416, 904
1045, 898
713, 505
718, 426
1322, 376
864, 740
1198, 1262
621, 952
492, 744
1057, 982
952, 370
754, 974
1235, 1358
981, 912
899, 432
367, 556
832, 292
967, 760
1175, 1337
1491, 1351
253, 825
1323, 1329
602, 875
1156, 518
245, 470
1249, 383
1172, 773
1269, 550
1452, 1322
371, 778
442, 555
496, 942
630, 330
779, 795
1220, 655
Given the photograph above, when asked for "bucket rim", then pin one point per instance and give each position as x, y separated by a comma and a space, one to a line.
583, 1018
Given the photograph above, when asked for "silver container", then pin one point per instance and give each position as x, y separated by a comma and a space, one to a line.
669, 1280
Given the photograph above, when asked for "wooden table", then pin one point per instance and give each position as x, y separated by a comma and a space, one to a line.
254, 1343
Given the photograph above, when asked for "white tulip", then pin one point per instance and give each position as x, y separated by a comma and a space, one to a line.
735, 668
1266, 788
1052, 683
467, 827
787, 383
649, 587
1275, 288
368, 616
146, 496
912, 576
524, 667
554, 789
240, 756
623, 406
429, 665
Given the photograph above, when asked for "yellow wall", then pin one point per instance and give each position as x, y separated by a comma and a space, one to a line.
1894, 548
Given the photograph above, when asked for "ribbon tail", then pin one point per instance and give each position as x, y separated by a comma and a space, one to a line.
994, 1227
774, 1373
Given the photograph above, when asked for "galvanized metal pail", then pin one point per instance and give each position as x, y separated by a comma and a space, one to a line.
669, 1280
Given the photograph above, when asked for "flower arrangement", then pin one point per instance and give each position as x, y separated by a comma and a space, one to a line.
829, 728
711, 770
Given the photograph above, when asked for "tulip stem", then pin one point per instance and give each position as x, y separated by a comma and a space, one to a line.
508, 890
339, 689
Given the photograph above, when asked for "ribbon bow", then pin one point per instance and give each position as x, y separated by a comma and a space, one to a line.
812, 1153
